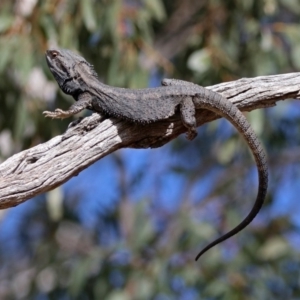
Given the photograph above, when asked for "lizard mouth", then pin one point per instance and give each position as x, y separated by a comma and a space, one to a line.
48, 59
53, 61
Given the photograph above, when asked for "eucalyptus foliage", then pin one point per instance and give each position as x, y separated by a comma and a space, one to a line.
129, 227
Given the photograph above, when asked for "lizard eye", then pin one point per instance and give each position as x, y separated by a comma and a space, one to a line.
53, 53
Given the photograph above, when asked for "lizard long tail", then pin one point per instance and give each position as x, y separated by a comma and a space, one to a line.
217, 103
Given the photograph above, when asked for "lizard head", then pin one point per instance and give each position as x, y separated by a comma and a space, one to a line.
69, 68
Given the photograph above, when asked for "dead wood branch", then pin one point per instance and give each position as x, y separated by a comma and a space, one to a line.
48, 165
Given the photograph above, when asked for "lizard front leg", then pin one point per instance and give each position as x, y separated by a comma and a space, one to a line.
84, 101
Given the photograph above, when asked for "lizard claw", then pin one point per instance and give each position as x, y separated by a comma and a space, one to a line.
57, 114
191, 134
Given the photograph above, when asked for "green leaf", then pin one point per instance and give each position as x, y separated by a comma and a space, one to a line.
274, 248
227, 152
292, 5
156, 8
199, 61
88, 13
20, 119
118, 295
216, 288
6, 53
48, 25
256, 118
55, 203
5, 22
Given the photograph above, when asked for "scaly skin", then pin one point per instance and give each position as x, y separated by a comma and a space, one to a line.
76, 77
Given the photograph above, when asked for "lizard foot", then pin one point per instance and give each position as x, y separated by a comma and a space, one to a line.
191, 134
57, 114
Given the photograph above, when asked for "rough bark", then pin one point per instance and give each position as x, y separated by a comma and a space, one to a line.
46, 166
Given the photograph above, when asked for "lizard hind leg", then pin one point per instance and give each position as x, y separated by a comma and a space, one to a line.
187, 107
188, 111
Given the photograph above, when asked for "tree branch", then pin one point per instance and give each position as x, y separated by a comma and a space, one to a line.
46, 166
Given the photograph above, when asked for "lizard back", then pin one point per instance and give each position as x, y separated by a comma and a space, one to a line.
139, 105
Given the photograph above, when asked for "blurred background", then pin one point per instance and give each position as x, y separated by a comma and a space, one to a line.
130, 225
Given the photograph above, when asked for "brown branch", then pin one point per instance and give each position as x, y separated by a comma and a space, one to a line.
48, 165
178, 28
175, 34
